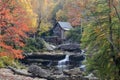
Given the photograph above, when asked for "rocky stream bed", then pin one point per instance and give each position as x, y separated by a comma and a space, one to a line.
53, 65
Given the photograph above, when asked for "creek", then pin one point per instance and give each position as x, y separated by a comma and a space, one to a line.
60, 65
63, 64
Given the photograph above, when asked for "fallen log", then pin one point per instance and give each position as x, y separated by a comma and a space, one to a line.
19, 72
27, 74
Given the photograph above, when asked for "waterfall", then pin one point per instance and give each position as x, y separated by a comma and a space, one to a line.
82, 66
63, 64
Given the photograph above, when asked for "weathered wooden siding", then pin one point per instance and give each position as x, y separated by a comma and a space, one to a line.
57, 31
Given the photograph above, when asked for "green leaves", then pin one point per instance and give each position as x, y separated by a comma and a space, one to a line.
33, 45
75, 34
101, 39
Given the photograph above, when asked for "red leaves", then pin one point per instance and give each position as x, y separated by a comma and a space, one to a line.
9, 51
3, 54
3, 45
17, 54
13, 26
74, 12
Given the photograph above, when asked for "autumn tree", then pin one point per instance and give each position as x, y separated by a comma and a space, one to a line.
101, 38
26, 4
71, 11
41, 9
13, 28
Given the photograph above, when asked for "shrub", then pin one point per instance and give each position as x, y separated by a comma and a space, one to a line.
33, 45
75, 34
6, 61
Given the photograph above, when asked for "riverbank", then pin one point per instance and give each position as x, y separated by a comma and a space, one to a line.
73, 74
7, 74
61, 65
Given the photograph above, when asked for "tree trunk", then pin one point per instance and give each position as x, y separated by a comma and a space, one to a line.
19, 72
38, 28
118, 16
112, 46
110, 27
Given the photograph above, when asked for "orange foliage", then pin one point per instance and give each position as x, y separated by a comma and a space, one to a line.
13, 26
74, 13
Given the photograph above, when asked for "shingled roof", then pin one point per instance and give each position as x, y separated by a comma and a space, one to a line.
65, 25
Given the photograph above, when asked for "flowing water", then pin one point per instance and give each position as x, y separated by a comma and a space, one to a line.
63, 64
82, 66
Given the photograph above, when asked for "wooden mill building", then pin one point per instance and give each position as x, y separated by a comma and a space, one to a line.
61, 28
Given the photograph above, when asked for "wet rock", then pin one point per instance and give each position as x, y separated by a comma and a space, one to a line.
64, 77
91, 77
48, 46
71, 72
60, 77
46, 56
69, 47
47, 59
38, 71
77, 57
7, 74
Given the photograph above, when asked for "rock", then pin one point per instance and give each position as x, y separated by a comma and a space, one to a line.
38, 71
72, 74
48, 46
60, 77
91, 77
44, 59
75, 71
7, 74
64, 77
46, 56
52, 58
77, 57
69, 47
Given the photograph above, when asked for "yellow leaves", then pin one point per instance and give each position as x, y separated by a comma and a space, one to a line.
109, 65
111, 60
101, 32
46, 2
119, 40
119, 54
97, 30
84, 34
28, 7
60, 15
6, 61
44, 27
102, 35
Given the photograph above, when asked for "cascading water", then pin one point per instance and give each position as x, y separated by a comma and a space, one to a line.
63, 64
82, 66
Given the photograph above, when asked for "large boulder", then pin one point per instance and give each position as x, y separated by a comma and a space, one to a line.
60, 77
48, 46
37, 71
91, 76
63, 77
69, 47
77, 57
46, 56
71, 72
